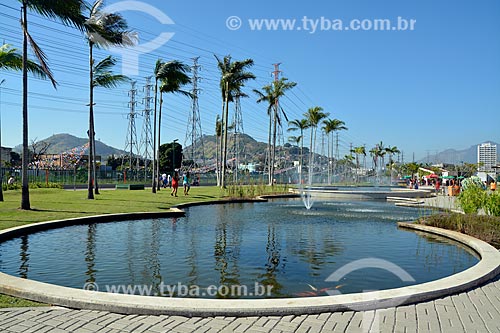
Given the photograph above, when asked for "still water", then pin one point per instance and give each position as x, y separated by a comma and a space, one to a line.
278, 244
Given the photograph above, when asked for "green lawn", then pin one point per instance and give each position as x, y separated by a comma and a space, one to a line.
55, 204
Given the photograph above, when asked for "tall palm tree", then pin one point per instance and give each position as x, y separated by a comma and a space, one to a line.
374, 154
174, 77
392, 151
103, 30
361, 150
234, 75
102, 76
159, 74
272, 94
69, 12
381, 153
348, 163
314, 116
301, 125
331, 126
10, 59
218, 137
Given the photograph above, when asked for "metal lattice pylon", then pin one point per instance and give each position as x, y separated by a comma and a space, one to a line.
131, 143
146, 143
238, 149
194, 134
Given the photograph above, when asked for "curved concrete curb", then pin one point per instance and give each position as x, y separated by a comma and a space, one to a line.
486, 269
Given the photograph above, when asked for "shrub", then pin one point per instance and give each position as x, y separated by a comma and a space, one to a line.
492, 204
472, 199
483, 227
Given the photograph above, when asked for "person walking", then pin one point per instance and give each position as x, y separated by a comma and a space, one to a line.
185, 183
175, 183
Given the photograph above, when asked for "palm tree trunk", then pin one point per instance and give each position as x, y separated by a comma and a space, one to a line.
273, 152
159, 141
90, 188
217, 159
328, 158
224, 143
301, 156
311, 163
96, 185
269, 148
153, 165
25, 196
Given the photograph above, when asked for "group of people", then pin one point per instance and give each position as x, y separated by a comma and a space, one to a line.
173, 182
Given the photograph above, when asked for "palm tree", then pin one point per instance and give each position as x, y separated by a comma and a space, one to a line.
314, 116
330, 127
10, 59
234, 75
159, 74
272, 94
347, 161
172, 79
392, 151
218, 135
301, 125
69, 12
103, 30
102, 76
361, 150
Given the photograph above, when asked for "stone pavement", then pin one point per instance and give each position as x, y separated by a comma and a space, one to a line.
477, 310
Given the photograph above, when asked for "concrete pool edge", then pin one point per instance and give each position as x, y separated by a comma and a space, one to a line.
487, 268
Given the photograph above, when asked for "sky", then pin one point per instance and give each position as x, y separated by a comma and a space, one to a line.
424, 90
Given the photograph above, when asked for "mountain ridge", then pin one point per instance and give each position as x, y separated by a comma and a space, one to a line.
63, 142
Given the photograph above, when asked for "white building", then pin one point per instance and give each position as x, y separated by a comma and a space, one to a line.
486, 156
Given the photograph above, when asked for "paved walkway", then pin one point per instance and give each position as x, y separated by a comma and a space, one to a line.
475, 311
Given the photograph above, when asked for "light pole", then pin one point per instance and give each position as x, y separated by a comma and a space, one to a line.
1, 167
173, 155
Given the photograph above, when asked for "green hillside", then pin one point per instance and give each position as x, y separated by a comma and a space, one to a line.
60, 143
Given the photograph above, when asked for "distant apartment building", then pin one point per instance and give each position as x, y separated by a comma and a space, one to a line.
487, 156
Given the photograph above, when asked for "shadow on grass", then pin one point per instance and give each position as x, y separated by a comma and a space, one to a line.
60, 211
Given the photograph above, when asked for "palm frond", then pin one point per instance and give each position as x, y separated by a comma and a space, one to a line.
104, 65
10, 59
69, 12
108, 29
40, 55
103, 76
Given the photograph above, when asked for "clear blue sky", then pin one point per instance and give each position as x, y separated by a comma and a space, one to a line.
425, 90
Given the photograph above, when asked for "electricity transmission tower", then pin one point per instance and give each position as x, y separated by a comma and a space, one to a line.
131, 140
147, 133
194, 135
238, 130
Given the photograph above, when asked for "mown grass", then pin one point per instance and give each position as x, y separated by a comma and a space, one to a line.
56, 204
484, 227
14, 302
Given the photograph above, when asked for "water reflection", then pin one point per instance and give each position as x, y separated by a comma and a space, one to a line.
90, 253
24, 256
273, 250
